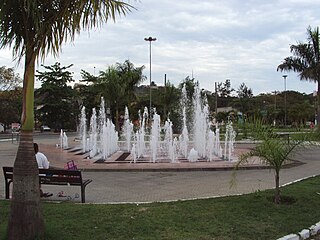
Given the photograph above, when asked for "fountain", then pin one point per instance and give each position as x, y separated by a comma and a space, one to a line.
93, 134
156, 144
103, 138
127, 131
63, 140
184, 137
83, 130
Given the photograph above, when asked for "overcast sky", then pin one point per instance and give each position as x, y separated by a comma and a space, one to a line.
240, 40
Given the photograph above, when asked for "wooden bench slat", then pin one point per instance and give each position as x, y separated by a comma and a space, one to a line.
52, 177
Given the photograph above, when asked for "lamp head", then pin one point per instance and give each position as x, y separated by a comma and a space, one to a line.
150, 39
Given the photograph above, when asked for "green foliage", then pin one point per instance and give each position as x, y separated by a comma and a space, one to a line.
243, 100
49, 23
305, 60
273, 148
9, 80
116, 84
57, 102
10, 96
165, 101
10, 106
224, 90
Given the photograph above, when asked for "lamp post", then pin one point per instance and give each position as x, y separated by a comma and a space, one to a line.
216, 97
150, 39
285, 99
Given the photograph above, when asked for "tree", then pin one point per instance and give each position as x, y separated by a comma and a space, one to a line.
224, 91
306, 61
56, 100
131, 76
8, 79
166, 99
244, 96
89, 95
273, 149
190, 85
113, 90
33, 29
10, 96
117, 85
10, 106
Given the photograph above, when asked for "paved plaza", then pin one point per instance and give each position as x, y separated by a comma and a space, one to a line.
152, 186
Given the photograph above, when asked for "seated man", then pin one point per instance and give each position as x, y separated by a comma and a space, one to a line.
42, 163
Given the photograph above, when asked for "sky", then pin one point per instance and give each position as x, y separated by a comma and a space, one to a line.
211, 40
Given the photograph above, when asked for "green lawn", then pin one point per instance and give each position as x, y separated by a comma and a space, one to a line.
251, 216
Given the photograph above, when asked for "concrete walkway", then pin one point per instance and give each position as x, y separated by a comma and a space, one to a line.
120, 187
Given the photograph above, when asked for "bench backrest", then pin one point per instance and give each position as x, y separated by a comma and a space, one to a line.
50, 175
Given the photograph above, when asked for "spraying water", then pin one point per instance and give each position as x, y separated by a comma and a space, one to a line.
83, 129
206, 143
184, 137
93, 134
127, 130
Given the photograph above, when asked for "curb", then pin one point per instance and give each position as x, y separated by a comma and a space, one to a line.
303, 234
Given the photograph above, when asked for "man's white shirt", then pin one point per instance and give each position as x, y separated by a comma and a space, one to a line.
42, 160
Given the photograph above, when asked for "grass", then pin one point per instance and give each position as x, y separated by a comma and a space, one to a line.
251, 216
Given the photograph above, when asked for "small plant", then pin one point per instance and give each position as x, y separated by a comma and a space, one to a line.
272, 149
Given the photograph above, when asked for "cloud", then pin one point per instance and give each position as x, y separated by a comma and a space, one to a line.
243, 41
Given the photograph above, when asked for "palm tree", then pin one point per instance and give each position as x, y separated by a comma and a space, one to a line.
131, 76
170, 97
306, 61
113, 90
272, 149
34, 28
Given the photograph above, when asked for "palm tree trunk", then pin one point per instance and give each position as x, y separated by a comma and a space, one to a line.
25, 219
277, 190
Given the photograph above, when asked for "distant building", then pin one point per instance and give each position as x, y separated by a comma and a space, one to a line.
226, 109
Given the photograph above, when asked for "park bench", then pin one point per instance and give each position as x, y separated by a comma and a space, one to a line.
52, 177
284, 135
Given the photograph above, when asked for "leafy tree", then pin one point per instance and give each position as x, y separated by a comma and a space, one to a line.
243, 100
56, 100
10, 96
224, 91
190, 84
33, 29
306, 61
273, 149
89, 95
10, 105
8, 79
165, 102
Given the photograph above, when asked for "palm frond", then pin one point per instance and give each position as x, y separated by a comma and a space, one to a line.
305, 58
45, 25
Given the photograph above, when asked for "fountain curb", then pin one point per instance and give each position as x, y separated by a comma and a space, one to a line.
135, 168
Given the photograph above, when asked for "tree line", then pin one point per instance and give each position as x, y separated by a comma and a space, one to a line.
58, 103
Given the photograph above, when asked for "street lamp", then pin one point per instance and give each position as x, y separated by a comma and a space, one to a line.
285, 99
150, 39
